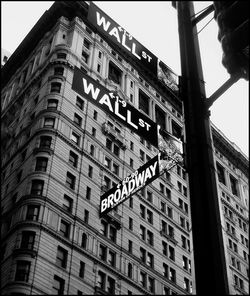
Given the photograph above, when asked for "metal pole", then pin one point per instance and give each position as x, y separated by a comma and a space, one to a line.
209, 256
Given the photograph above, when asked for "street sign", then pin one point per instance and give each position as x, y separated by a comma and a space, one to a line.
119, 36
170, 154
130, 185
115, 106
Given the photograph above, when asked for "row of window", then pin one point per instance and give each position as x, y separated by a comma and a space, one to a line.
104, 281
222, 179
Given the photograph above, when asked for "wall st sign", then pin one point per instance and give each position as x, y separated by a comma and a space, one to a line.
120, 37
115, 106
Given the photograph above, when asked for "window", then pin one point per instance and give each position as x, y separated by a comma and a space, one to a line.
86, 216
131, 202
99, 54
130, 270
86, 43
112, 233
22, 271
142, 232
75, 138
130, 223
90, 171
116, 150
115, 169
162, 188
150, 216
107, 162
85, 57
142, 155
95, 114
37, 187
45, 142
104, 227
166, 291
234, 185
98, 68
58, 71
77, 119
88, 193
171, 253
150, 260
28, 239
79, 103
61, 257
176, 130
111, 286
165, 270
163, 206
41, 164
52, 104
172, 275
150, 238
58, 286
33, 212
55, 87
49, 122
64, 228
160, 117
130, 246
151, 284
109, 144
170, 212
187, 284
101, 279
67, 203
73, 158
149, 196
143, 255
93, 132
143, 279
81, 269
111, 258
168, 193
70, 180
221, 173
164, 248
144, 102
131, 146
92, 150
131, 163
84, 241
114, 73
142, 211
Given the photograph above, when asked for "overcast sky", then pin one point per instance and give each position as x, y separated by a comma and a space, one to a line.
154, 24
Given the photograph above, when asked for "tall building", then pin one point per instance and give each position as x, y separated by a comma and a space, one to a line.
65, 143
233, 191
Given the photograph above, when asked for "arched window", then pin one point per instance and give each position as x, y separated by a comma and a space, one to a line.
130, 270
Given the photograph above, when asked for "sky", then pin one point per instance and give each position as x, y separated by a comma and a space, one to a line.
154, 24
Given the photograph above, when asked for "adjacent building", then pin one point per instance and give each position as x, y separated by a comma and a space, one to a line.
61, 152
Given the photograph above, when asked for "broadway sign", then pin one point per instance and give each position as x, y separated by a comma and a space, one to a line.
130, 185
115, 106
121, 38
